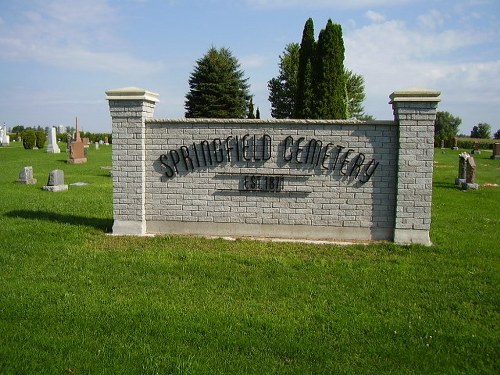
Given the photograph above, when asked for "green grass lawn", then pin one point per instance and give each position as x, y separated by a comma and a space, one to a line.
76, 300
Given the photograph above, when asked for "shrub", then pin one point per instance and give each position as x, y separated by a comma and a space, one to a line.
468, 143
93, 137
41, 137
29, 139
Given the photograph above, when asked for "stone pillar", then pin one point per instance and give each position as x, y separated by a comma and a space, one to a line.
415, 113
129, 108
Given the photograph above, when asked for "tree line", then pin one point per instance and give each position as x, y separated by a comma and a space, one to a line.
312, 82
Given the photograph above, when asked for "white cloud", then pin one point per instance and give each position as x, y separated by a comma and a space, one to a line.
431, 20
73, 35
253, 61
333, 4
392, 56
374, 16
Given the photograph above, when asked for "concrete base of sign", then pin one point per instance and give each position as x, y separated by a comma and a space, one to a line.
135, 228
412, 236
299, 232
56, 188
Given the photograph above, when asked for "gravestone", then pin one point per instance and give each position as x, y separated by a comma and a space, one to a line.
52, 147
77, 149
470, 175
496, 151
26, 176
462, 168
69, 139
455, 144
97, 145
475, 149
56, 181
86, 142
106, 141
4, 136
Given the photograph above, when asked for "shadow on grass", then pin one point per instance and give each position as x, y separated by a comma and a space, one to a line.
97, 223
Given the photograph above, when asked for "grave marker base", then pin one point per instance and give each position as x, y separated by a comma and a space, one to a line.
55, 188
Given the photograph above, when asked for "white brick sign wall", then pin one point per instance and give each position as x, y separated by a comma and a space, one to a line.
300, 179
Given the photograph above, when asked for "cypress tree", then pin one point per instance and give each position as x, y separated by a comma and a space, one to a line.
329, 75
251, 112
304, 102
217, 87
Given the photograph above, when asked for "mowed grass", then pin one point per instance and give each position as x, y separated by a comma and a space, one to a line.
75, 300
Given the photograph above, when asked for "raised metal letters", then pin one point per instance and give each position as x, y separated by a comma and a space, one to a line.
254, 150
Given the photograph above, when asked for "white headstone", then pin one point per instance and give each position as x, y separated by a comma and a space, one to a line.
26, 176
52, 147
4, 136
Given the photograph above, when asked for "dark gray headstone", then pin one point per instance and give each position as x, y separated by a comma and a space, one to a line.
56, 181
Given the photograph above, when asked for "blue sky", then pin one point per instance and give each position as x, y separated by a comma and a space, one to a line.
58, 57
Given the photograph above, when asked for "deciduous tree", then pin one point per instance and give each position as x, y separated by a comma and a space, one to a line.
445, 127
283, 88
482, 130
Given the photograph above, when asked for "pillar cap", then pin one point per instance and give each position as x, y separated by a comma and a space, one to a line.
132, 93
415, 95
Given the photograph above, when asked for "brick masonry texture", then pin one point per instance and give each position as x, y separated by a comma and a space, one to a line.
352, 179
311, 195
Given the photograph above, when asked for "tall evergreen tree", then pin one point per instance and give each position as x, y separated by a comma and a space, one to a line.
251, 111
329, 78
283, 88
304, 102
217, 88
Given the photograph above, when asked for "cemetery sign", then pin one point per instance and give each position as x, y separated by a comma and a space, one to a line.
297, 179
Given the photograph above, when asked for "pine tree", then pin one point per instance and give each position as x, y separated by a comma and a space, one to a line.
329, 77
217, 88
304, 102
